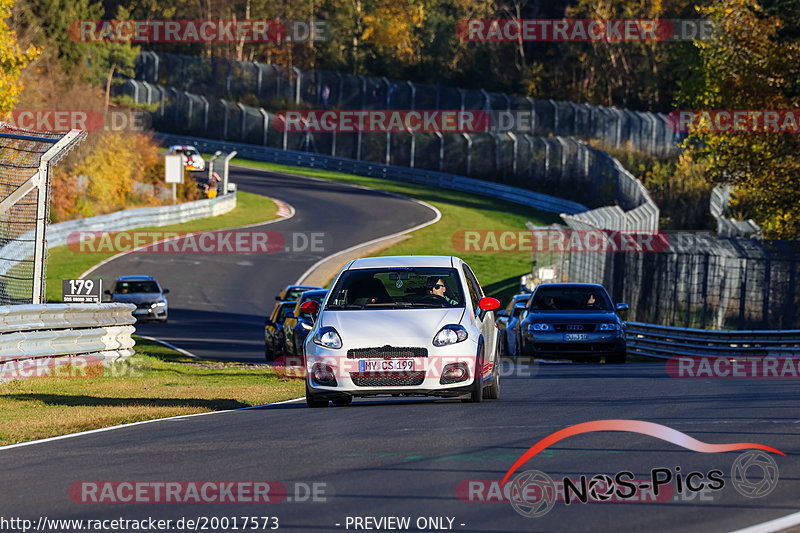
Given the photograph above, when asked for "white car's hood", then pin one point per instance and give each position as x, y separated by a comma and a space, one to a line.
378, 327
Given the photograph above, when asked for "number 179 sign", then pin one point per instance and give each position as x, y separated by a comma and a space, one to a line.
81, 291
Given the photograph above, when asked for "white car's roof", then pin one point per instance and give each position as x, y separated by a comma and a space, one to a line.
404, 261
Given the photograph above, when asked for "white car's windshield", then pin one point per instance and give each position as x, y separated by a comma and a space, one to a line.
397, 288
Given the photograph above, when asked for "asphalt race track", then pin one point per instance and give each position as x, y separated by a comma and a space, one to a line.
433, 462
218, 302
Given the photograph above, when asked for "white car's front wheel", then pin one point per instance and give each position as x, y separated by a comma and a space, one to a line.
314, 400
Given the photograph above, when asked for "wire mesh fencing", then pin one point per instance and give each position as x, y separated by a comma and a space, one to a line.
565, 167
26, 159
275, 88
695, 281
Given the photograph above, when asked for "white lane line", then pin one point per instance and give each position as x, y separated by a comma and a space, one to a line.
436, 219
187, 353
120, 426
287, 209
313, 267
773, 526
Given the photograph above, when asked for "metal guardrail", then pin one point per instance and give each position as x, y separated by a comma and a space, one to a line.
38, 334
664, 342
536, 200
124, 220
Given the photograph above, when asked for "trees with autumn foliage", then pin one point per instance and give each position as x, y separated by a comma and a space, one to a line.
752, 64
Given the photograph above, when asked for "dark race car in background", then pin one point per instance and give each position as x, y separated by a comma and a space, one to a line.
508, 321
273, 330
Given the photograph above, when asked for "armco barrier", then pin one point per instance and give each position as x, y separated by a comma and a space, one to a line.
536, 200
143, 216
664, 342
128, 219
55, 331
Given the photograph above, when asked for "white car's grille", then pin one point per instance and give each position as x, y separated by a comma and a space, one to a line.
396, 379
386, 352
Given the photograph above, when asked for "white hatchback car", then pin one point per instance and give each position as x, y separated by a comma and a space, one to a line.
191, 157
402, 326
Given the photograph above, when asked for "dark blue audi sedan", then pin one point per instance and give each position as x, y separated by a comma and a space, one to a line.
576, 321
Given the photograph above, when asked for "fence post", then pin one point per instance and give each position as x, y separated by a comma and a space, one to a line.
413, 94
469, 152
441, 149
297, 81
704, 292
413, 148
244, 119
789, 305
266, 123
533, 116
515, 152
225, 122
42, 181
205, 113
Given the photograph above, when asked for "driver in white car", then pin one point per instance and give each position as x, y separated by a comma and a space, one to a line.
437, 287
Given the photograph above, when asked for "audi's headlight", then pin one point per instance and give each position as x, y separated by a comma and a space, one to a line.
157, 304
541, 326
328, 337
306, 326
612, 326
450, 334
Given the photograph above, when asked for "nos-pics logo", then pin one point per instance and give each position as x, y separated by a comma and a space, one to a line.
532, 493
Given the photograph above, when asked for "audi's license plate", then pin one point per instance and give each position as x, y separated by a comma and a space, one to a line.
575, 336
140, 311
385, 365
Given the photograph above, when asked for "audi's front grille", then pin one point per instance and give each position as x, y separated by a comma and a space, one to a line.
394, 379
143, 306
575, 328
386, 352
574, 347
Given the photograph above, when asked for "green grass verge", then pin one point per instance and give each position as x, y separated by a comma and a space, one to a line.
157, 382
63, 263
498, 272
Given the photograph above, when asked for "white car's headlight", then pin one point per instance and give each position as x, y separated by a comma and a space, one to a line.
328, 337
608, 327
450, 334
541, 326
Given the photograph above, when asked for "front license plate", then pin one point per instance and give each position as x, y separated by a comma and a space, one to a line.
385, 365
140, 311
575, 336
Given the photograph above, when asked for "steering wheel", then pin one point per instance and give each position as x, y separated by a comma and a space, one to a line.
433, 298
